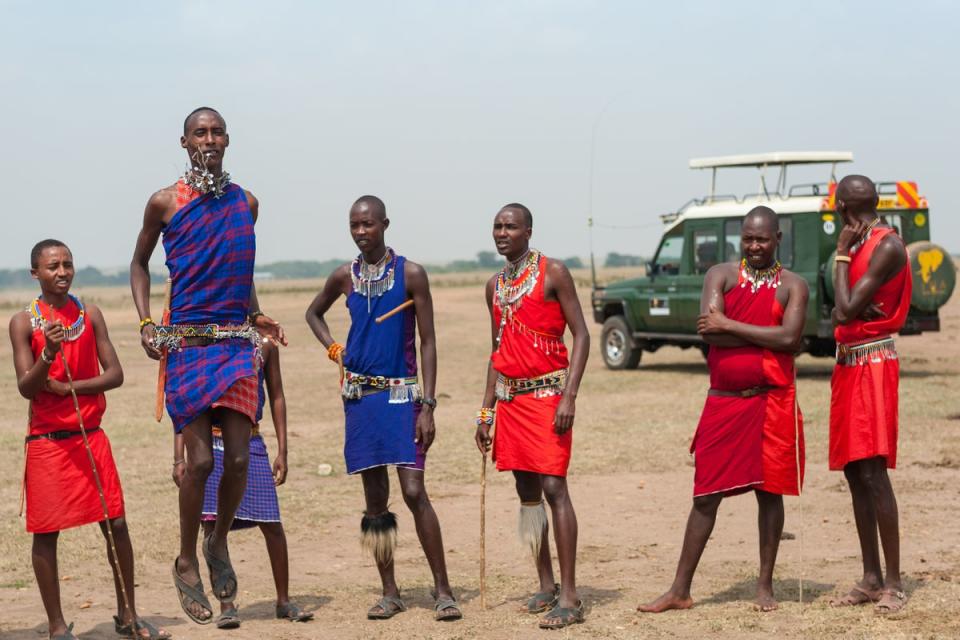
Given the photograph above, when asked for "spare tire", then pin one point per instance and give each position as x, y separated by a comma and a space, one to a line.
932, 269
934, 275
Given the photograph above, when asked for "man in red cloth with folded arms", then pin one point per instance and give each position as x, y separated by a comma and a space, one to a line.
750, 435
873, 288
534, 385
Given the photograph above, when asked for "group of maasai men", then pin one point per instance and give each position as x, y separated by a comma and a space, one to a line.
220, 364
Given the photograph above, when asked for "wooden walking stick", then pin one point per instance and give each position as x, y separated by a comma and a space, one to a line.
483, 533
397, 309
162, 372
103, 499
796, 435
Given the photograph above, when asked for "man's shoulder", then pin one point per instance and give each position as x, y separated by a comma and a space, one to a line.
164, 194
20, 322
790, 278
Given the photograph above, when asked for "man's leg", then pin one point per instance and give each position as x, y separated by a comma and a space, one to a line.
235, 429
199, 463
376, 492
700, 523
770, 526
225, 605
530, 489
276, 541
44, 556
565, 534
865, 516
428, 529
873, 473
121, 538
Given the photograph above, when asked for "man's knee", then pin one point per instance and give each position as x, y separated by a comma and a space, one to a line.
555, 490
872, 474
119, 527
707, 505
235, 464
199, 466
414, 495
43, 542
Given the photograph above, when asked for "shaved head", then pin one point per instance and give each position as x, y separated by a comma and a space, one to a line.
858, 194
374, 204
764, 216
527, 216
186, 121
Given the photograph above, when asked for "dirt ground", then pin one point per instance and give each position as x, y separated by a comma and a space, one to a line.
630, 481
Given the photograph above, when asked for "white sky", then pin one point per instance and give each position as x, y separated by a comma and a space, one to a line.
449, 109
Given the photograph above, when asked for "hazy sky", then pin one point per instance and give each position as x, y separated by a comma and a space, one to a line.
448, 110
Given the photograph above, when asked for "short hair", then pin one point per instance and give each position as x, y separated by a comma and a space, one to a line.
374, 203
858, 192
765, 213
186, 120
39, 248
527, 216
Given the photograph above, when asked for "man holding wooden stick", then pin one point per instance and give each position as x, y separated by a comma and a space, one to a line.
65, 363
389, 417
531, 394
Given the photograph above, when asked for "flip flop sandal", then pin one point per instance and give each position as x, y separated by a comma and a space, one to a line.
857, 596
443, 605
891, 601
194, 594
389, 607
560, 617
66, 636
543, 600
293, 613
221, 573
229, 619
128, 631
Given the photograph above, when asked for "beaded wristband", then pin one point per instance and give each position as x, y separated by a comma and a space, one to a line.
485, 416
334, 351
145, 322
842, 259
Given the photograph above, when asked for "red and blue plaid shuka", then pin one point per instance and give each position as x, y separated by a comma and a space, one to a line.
210, 247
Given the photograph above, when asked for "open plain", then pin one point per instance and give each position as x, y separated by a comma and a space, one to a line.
630, 479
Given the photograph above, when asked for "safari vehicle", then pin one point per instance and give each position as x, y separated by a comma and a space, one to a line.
644, 314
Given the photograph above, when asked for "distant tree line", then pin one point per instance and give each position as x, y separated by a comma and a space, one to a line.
295, 269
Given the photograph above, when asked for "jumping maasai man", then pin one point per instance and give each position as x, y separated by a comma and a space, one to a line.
211, 340
259, 507
873, 287
389, 418
752, 316
531, 391
61, 491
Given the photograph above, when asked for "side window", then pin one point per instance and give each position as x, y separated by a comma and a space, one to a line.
731, 240
670, 253
706, 250
785, 254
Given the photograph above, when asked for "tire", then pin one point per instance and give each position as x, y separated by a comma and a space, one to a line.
616, 345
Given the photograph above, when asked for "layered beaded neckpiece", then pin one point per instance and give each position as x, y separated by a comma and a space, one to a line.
757, 278
514, 282
202, 181
373, 280
70, 333
866, 235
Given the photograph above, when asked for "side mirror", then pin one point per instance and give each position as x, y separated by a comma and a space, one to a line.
652, 269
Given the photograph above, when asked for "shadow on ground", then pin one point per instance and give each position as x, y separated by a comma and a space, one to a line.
784, 590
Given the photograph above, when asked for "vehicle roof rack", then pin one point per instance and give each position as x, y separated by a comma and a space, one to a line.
773, 158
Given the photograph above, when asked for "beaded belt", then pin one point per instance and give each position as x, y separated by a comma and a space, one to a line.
742, 393
402, 390
549, 384
175, 336
218, 433
58, 435
874, 350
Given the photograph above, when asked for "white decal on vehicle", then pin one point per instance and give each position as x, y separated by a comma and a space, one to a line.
829, 227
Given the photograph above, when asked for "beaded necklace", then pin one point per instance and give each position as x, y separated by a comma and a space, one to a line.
514, 282
373, 280
202, 181
760, 277
70, 333
866, 235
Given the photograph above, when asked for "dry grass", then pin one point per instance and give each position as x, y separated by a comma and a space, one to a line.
630, 481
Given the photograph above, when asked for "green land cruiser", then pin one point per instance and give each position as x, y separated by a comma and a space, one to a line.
644, 314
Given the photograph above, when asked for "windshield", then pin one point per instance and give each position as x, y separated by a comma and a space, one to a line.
671, 250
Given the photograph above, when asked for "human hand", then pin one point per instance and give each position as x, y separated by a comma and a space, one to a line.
872, 312
178, 472
849, 235
57, 387
713, 321
482, 437
280, 469
270, 329
563, 417
426, 428
53, 334
148, 335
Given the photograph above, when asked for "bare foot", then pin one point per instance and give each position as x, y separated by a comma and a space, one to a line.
765, 601
666, 602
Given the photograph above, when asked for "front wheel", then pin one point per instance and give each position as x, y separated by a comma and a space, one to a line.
616, 345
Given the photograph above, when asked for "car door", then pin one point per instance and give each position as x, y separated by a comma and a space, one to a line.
659, 297
705, 251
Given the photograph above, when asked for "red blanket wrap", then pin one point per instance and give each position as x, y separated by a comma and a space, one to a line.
864, 403
60, 490
531, 345
745, 443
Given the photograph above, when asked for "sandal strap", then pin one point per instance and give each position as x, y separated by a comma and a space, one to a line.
388, 600
446, 603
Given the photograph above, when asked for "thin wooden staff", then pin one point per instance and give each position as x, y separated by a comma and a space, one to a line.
162, 371
103, 499
23, 476
397, 309
483, 533
796, 435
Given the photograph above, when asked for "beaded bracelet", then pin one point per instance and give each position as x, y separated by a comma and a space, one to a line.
145, 322
335, 351
842, 259
485, 416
